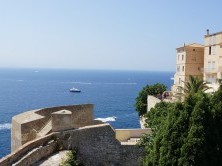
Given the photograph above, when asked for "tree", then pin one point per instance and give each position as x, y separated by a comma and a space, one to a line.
141, 100
156, 118
193, 149
157, 115
192, 86
186, 133
214, 136
175, 132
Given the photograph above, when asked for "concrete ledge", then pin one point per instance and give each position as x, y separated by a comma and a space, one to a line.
125, 134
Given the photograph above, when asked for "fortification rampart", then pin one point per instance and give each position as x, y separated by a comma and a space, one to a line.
37, 123
96, 145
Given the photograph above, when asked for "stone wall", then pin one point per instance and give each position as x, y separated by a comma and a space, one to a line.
27, 125
95, 145
132, 155
151, 102
31, 152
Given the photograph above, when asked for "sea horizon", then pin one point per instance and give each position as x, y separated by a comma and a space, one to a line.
83, 69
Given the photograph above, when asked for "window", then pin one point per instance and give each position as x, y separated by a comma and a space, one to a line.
179, 80
211, 79
178, 57
178, 68
213, 50
183, 68
182, 57
193, 49
213, 64
210, 50
209, 65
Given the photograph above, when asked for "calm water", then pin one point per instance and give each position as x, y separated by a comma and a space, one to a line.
112, 92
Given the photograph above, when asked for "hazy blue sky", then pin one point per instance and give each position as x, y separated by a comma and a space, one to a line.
102, 34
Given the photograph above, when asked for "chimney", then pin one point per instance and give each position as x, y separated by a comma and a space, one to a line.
208, 32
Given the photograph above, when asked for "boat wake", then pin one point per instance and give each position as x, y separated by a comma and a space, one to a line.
108, 119
5, 126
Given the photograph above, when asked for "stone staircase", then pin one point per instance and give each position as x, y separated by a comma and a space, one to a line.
45, 130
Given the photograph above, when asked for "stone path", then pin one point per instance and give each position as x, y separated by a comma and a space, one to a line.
53, 160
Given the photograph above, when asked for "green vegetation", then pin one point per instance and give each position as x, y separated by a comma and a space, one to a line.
141, 100
192, 86
71, 160
186, 133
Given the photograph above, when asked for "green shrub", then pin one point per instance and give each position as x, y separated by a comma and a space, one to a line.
71, 159
141, 100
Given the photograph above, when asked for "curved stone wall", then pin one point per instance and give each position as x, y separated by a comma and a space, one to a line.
26, 126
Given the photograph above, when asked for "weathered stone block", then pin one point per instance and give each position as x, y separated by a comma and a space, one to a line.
61, 120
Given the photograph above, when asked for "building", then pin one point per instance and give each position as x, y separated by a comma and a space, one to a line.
189, 61
213, 58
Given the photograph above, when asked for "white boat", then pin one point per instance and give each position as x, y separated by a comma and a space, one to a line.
74, 90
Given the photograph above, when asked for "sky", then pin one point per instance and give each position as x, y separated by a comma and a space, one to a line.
102, 34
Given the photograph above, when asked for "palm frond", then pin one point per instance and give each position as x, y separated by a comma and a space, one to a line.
192, 86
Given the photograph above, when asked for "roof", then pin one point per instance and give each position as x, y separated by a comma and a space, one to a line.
191, 45
217, 33
194, 45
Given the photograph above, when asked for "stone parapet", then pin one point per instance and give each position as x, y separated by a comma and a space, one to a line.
31, 152
27, 126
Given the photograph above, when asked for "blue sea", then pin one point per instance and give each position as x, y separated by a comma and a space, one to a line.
113, 94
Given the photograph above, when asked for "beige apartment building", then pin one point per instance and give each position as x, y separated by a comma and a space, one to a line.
190, 61
213, 59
